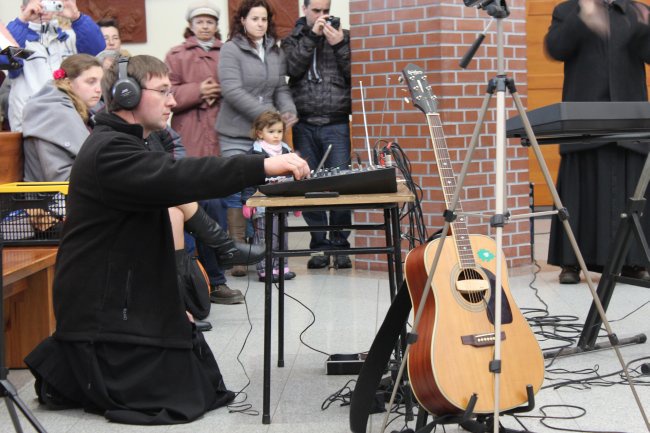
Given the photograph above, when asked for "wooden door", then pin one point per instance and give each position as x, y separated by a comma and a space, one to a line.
544, 88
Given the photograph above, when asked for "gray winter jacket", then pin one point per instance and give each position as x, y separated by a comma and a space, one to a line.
53, 132
249, 86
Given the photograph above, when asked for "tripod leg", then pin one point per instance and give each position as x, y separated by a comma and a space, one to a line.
8, 391
576, 250
14, 416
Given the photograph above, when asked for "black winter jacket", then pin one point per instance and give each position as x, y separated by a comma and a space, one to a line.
115, 277
328, 101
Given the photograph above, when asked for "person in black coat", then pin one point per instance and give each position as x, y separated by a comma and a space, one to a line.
604, 46
123, 344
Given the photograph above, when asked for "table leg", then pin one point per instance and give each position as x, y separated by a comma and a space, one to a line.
282, 223
390, 257
268, 293
397, 243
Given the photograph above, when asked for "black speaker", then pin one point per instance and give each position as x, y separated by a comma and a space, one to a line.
126, 91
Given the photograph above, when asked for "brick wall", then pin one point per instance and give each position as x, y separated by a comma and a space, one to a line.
389, 34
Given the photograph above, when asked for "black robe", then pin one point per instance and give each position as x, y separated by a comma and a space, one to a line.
123, 344
595, 180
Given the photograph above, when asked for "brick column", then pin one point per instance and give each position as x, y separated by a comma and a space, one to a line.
389, 34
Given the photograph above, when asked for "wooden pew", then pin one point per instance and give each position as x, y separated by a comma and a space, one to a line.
27, 274
11, 157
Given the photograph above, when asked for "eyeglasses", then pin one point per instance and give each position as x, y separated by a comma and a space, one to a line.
163, 92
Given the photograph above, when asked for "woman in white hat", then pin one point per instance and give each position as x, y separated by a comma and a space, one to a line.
193, 73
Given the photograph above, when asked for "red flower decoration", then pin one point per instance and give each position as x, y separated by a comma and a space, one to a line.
59, 74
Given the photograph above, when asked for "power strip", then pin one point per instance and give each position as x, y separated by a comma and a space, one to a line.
339, 364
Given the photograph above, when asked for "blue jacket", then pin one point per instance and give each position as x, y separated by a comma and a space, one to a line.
89, 37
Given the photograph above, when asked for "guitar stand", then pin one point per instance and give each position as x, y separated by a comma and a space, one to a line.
482, 423
8, 391
500, 85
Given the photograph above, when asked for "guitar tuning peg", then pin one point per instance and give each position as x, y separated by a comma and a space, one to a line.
400, 79
407, 99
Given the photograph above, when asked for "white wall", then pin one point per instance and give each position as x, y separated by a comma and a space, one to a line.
166, 22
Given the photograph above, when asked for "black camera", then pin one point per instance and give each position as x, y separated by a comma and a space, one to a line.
494, 8
333, 21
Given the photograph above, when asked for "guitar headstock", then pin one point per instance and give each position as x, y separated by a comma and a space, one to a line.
421, 94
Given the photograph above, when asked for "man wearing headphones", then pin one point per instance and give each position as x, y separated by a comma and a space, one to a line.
123, 344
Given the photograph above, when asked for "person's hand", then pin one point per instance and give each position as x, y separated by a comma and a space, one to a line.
210, 90
319, 24
289, 163
332, 35
594, 15
70, 10
289, 119
31, 11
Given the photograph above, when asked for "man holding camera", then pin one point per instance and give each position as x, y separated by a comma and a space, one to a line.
37, 29
318, 63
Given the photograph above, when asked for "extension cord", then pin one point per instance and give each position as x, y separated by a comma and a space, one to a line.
338, 364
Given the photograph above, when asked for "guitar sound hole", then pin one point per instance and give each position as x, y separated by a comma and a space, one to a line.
472, 286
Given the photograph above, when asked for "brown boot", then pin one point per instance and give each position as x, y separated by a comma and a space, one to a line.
222, 294
237, 230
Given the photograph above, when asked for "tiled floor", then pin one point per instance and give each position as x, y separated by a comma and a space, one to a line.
348, 307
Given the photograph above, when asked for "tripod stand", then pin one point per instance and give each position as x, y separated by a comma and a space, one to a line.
7, 390
499, 85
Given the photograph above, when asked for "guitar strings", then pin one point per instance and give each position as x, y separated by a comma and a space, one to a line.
459, 228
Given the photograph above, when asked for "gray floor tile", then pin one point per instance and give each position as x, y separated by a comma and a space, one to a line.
349, 306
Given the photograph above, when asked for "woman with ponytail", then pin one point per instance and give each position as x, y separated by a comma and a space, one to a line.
55, 119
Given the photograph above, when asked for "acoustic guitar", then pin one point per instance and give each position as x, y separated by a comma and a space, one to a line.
450, 360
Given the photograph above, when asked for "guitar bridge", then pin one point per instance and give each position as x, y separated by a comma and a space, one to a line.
481, 340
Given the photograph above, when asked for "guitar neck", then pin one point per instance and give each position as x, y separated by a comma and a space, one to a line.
448, 181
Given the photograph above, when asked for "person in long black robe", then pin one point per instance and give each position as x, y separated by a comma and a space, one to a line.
604, 46
123, 344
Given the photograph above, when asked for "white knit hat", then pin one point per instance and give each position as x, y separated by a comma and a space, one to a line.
202, 7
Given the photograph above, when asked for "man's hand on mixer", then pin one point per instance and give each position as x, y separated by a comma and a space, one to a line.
287, 164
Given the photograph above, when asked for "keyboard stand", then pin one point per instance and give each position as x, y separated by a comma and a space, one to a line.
389, 203
629, 228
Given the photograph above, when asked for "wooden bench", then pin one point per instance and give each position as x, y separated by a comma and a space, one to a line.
27, 274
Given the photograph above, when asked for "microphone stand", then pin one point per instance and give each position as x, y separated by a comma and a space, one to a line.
501, 83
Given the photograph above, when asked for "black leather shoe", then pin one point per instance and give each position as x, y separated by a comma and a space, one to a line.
570, 275
342, 262
262, 278
318, 262
50, 398
637, 272
287, 276
202, 325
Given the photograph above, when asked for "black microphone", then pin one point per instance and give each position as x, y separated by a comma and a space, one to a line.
472, 50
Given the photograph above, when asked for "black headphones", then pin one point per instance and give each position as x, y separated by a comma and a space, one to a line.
126, 91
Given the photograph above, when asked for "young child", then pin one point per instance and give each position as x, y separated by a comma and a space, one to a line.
267, 131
